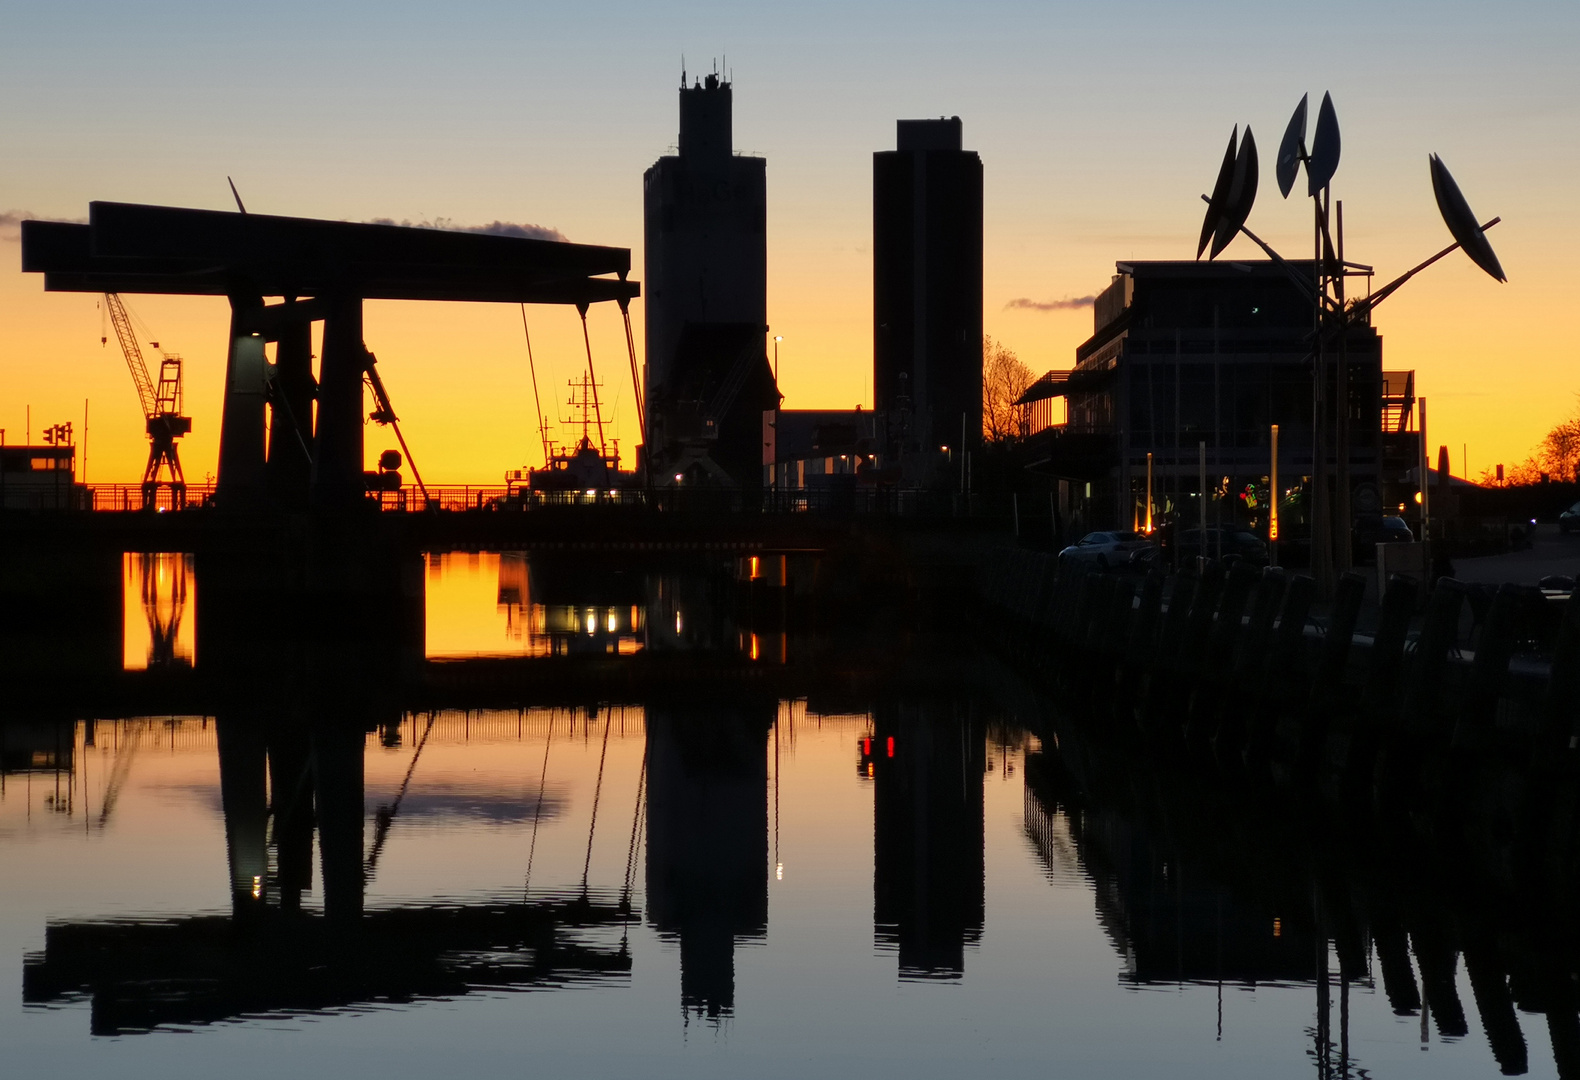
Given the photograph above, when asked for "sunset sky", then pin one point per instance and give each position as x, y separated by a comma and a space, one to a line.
1098, 127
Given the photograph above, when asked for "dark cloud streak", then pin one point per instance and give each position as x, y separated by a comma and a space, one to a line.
493, 228
1069, 303
11, 222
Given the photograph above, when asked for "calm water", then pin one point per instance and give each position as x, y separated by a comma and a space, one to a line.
748, 882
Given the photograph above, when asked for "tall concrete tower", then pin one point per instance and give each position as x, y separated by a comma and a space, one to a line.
927, 286
704, 219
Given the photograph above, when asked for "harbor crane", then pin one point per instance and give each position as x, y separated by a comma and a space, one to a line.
161, 404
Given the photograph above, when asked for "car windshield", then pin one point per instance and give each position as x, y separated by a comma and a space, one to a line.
1575, 509
1096, 538
1128, 536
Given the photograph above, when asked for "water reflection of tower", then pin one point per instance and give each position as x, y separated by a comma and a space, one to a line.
926, 764
707, 840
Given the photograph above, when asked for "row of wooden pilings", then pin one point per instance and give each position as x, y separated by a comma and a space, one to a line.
1244, 665
1417, 783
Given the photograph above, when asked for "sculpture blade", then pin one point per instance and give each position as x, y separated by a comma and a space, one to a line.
1242, 194
1324, 161
1461, 222
1291, 149
1220, 192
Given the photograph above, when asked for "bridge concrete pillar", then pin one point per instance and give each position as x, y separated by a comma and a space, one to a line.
240, 478
291, 796
244, 799
290, 465
337, 455
337, 794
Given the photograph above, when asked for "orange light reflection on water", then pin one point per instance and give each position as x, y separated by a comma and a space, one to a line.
480, 604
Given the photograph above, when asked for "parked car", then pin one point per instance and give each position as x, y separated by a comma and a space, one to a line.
1369, 532
1569, 520
1105, 549
1230, 544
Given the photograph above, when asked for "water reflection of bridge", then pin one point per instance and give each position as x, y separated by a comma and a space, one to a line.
203, 969
703, 825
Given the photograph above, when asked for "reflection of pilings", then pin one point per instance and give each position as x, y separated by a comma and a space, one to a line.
1490, 986
1393, 954
337, 462
707, 840
337, 786
1438, 961
927, 836
244, 797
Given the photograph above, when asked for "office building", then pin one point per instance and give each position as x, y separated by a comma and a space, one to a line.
1192, 363
927, 289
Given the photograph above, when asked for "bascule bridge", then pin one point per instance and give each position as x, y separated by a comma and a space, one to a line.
282, 274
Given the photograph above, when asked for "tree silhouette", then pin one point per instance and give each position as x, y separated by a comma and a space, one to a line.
1004, 379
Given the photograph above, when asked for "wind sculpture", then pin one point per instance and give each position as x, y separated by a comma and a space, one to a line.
1228, 209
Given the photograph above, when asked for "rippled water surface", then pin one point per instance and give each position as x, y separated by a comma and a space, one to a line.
685, 880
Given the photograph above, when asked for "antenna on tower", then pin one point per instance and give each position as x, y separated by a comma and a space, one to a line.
682, 71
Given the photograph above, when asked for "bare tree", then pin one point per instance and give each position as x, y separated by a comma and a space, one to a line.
1557, 457
1004, 379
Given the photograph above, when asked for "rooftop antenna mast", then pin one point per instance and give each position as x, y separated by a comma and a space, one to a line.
593, 382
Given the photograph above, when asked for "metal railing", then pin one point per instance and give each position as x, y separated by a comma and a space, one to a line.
497, 498
129, 497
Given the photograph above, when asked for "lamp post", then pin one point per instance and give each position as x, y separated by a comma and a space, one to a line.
778, 397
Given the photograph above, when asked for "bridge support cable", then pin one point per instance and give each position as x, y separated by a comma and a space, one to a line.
637, 817
385, 414
118, 770
587, 341
597, 791
636, 378
543, 432
278, 399
537, 810
386, 815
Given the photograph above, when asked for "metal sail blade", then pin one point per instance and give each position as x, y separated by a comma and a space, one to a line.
1324, 161
1242, 195
1461, 222
1220, 192
1292, 149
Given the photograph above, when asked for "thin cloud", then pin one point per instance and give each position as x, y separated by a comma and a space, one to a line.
522, 231
11, 222
1069, 303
